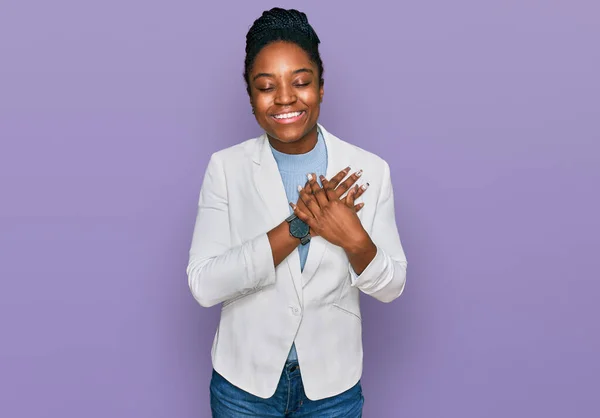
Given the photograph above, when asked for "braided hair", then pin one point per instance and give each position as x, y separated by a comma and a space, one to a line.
280, 24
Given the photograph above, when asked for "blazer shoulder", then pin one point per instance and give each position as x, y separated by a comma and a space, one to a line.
369, 158
236, 154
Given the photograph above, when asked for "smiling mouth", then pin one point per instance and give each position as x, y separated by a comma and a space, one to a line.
288, 117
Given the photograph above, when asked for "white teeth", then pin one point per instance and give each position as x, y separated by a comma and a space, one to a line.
287, 115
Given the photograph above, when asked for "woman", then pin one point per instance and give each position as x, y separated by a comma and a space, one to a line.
281, 241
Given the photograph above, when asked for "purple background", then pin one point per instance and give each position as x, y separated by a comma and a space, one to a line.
488, 114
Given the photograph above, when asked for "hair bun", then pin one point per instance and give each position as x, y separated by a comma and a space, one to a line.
278, 19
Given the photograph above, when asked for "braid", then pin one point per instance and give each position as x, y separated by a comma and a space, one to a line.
279, 24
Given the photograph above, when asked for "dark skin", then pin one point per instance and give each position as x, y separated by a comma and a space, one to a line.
336, 221
286, 92
283, 79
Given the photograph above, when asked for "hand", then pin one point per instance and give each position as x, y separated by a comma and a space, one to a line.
339, 191
329, 216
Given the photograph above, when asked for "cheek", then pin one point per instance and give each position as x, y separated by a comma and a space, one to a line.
261, 103
310, 98
261, 100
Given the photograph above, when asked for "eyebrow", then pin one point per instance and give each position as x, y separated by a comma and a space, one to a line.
300, 70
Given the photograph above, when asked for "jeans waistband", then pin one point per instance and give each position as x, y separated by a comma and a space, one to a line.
291, 366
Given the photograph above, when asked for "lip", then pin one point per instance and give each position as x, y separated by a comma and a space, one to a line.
289, 120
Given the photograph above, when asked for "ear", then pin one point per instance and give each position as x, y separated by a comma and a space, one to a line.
321, 90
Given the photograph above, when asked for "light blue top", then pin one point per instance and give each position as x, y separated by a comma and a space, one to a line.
293, 169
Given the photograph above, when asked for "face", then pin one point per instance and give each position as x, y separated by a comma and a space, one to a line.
286, 93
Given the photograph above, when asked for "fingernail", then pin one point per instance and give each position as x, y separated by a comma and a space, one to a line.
365, 186
300, 188
309, 176
359, 173
347, 168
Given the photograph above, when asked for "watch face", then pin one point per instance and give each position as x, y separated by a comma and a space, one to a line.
298, 228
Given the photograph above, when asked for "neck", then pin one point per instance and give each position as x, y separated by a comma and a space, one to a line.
301, 146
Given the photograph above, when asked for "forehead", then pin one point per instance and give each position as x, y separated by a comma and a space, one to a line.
281, 57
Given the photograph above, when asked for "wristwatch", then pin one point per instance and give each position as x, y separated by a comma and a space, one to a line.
298, 229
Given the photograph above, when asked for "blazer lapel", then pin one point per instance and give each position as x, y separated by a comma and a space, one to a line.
338, 158
270, 188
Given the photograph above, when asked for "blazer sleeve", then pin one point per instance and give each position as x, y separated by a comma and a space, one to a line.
217, 271
385, 276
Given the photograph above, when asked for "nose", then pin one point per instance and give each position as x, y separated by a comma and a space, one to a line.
285, 96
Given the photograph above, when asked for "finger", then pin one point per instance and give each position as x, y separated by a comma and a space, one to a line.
308, 195
310, 221
301, 204
358, 207
361, 190
324, 181
350, 197
347, 184
310, 202
329, 189
307, 187
317, 191
335, 180
354, 194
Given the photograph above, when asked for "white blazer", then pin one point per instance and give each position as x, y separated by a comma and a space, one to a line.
266, 308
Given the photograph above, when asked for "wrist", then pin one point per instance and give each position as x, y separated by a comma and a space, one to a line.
298, 229
360, 244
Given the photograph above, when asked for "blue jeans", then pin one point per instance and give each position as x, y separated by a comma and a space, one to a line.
289, 400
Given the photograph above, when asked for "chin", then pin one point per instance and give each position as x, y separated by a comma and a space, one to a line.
289, 134
288, 137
